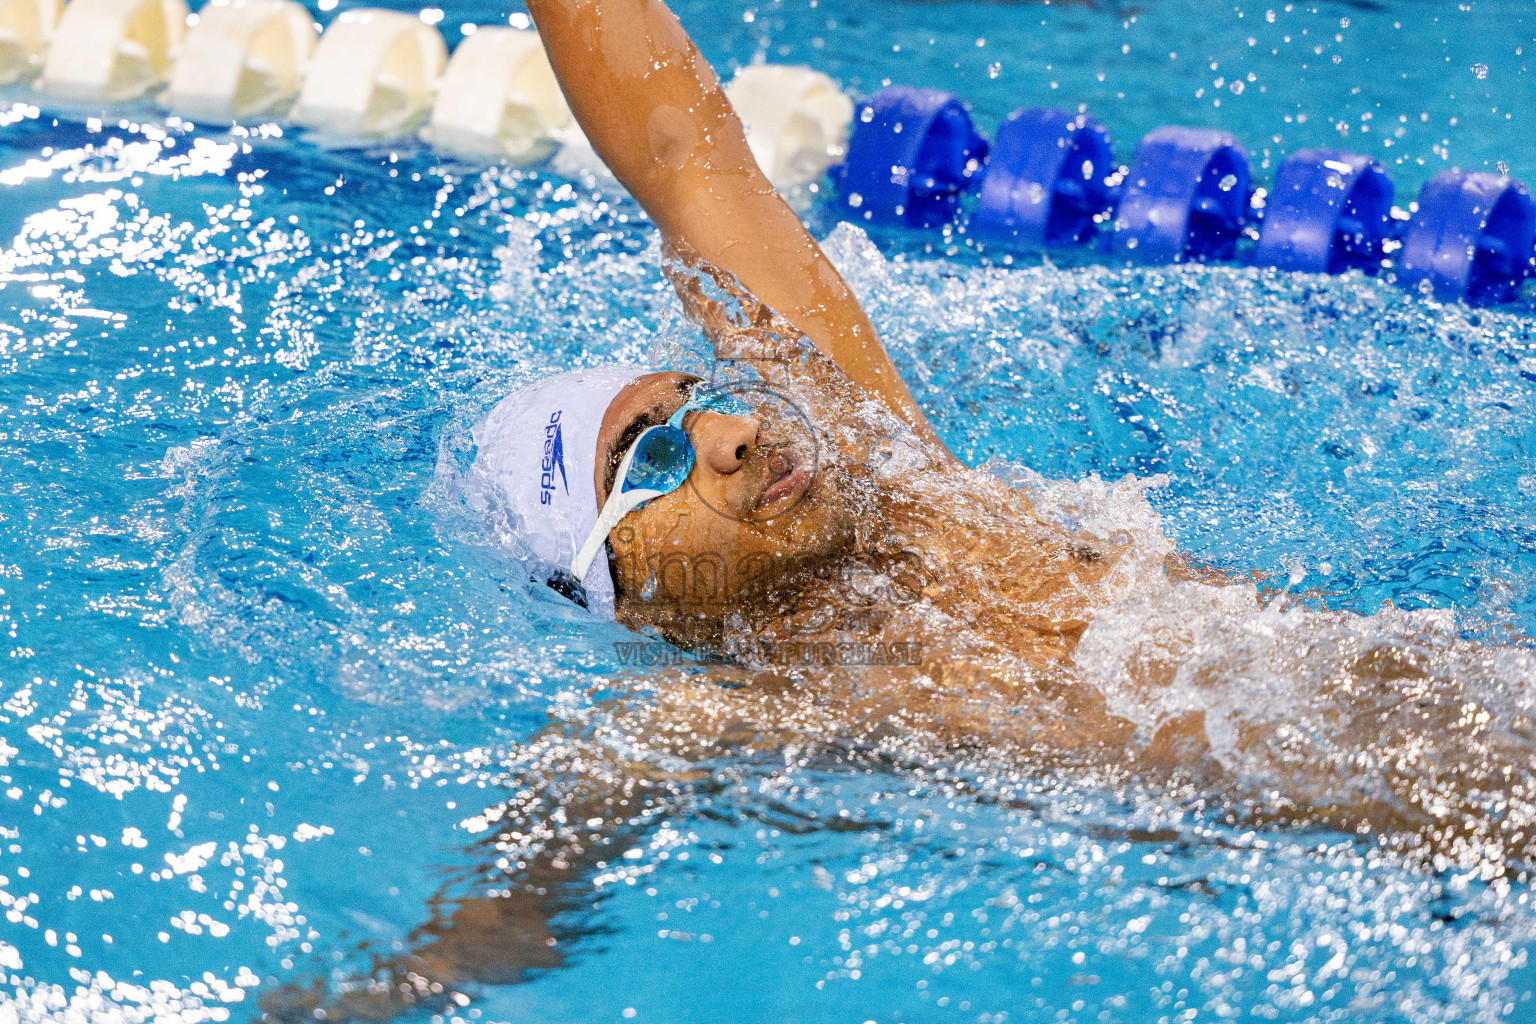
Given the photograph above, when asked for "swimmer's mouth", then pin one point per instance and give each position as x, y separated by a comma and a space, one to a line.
789, 474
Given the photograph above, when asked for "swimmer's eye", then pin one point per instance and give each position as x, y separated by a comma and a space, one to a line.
627, 438
654, 416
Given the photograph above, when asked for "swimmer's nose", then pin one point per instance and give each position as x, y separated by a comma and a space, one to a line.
723, 442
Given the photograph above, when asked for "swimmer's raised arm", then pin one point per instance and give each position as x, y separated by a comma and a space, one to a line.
654, 111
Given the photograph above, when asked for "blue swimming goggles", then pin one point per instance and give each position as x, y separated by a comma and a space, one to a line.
657, 463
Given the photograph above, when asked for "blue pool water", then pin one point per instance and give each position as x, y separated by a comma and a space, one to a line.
261, 674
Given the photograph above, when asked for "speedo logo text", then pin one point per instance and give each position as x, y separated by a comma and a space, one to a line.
554, 460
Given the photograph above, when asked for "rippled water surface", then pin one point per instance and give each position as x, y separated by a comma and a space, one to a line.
263, 678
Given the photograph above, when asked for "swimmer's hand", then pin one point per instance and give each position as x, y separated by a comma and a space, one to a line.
738, 326
573, 804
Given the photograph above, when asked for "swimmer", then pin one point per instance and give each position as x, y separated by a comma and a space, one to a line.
850, 590
854, 583
838, 566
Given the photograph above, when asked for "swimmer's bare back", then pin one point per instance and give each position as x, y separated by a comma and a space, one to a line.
653, 109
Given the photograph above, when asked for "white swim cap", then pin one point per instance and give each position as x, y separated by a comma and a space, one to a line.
533, 473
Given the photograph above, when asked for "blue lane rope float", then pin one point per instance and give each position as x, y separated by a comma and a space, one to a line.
1049, 180
1329, 212
1184, 199
1471, 238
910, 156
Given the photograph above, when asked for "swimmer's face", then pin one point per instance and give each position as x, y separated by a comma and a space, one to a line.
752, 513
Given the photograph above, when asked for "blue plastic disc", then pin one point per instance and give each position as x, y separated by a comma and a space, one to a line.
1329, 212
1184, 199
1045, 180
910, 156
1470, 239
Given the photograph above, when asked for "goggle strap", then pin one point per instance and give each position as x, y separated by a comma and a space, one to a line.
618, 506
620, 503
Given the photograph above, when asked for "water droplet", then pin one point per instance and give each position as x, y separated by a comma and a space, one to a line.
1479, 70
994, 69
